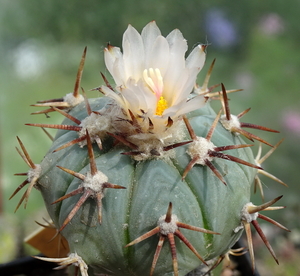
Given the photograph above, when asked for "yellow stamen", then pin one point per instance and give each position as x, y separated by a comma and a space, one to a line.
161, 106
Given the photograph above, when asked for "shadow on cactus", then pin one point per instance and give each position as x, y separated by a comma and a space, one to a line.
154, 139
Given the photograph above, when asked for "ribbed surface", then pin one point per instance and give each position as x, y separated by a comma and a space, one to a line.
200, 200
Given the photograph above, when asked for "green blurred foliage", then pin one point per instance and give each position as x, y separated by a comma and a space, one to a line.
263, 62
8, 237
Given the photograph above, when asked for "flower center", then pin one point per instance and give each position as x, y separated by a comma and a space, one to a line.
154, 80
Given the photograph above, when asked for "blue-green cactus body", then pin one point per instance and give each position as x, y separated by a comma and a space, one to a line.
201, 199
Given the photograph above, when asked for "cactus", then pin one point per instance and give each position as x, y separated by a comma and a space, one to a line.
147, 163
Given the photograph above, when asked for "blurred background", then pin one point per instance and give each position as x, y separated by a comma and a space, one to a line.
256, 46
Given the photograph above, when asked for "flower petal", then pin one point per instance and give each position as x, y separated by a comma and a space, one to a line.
158, 56
117, 97
149, 35
185, 107
196, 58
114, 62
133, 53
139, 97
178, 47
176, 65
194, 64
176, 89
147, 100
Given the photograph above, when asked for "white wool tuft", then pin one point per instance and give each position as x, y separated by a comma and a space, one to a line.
167, 227
200, 148
245, 214
34, 173
73, 101
95, 182
96, 125
231, 124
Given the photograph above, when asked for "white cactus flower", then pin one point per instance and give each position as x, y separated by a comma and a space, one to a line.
153, 78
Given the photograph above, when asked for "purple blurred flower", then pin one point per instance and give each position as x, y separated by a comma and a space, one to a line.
291, 121
221, 32
271, 24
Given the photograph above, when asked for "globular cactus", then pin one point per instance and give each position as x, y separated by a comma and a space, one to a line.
149, 163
